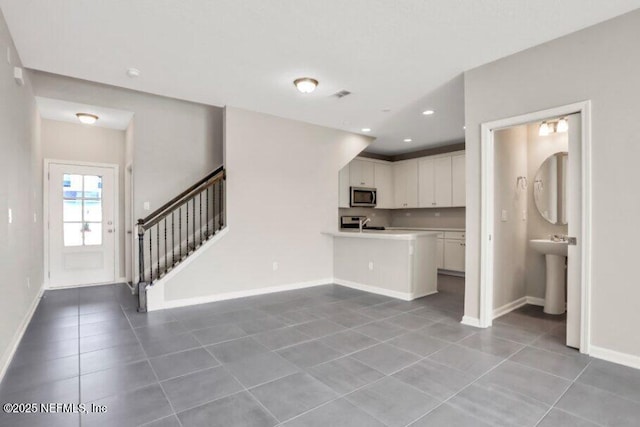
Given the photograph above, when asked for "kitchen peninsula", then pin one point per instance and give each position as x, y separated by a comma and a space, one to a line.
396, 263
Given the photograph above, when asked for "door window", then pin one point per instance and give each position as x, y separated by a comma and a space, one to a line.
82, 210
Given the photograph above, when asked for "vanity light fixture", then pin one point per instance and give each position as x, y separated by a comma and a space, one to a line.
407, 140
306, 84
86, 118
563, 125
545, 129
428, 112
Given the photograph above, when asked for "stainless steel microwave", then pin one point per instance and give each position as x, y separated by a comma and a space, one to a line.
363, 197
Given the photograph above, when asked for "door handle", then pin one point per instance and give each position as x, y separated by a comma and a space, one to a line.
110, 230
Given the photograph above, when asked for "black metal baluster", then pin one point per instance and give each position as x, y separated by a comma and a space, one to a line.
201, 226
207, 214
158, 249
173, 239
193, 204
187, 231
180, 232
151, 255
166, 253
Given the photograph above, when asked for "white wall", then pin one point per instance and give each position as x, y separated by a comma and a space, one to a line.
510, 236
282, 177
84, 143
600, 64
20, 190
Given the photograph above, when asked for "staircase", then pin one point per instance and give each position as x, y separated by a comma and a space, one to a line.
176, 230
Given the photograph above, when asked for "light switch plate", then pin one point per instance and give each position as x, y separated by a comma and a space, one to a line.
146, 206
504, 215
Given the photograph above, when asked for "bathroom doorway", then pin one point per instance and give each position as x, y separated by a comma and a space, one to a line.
572, 206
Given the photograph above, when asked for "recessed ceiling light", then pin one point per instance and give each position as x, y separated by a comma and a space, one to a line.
133, 72
365, 130
408, 140
428, 112
86, 118
306, 84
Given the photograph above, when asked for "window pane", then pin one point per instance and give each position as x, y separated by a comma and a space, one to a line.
72, 186
73, 234
92, 233
72, 210
93, 210
93, 186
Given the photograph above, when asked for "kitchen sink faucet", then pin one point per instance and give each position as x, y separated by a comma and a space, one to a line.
362, 222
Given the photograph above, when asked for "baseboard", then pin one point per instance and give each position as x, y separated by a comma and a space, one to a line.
613, 356
451, 273
155, 303
7, 357
471, 321
376, 290
53, 288
509, 307
535, 301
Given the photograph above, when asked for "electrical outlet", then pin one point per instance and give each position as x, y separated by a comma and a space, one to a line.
371, 265
524, 215
147, 206
407, 214
436, 214
504, 215
275, 266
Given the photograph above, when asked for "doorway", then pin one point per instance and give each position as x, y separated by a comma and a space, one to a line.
81, 239
578, 215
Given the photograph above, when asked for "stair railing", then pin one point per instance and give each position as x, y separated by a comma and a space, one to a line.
172, 232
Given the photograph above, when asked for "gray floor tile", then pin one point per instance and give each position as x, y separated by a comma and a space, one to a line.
98, 385
446, 415
526, 381
448, 332
296, 317
131, 408
418, 343
381, 311
218, 334
200, 387
255, 326
600, 406
39, 420
309, 354
24, 377
184, 362
553, 363
385, 358
492, 345
261, 368
409, 321
348, 341
110, 357
66, 390
350, 319
233, 351
279, 338
290, 396
170, 344
616, 379
240, 409
557, 344
345, 375
393, 402
155, 332
97, 328
511, 333
435, 379
470, 361
111, 339
38, 352
44, 332
338, 413
498, 406
319, 328
558, 418
170, 421
152, 318
381, 330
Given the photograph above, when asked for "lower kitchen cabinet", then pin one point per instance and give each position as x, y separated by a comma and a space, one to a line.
454, 254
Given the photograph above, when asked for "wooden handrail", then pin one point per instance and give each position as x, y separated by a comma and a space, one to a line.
160, 213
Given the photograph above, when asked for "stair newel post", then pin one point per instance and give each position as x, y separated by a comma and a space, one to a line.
140, 251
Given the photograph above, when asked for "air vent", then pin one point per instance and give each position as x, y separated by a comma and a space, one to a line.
342, 94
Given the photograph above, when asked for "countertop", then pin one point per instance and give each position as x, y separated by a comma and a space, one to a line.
389, 234
462, 230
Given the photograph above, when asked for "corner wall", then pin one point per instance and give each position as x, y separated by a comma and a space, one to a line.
601, 64
281, 194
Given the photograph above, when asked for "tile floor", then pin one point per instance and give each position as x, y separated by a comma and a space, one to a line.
325, 356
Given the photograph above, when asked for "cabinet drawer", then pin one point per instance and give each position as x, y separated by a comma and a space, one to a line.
459, 235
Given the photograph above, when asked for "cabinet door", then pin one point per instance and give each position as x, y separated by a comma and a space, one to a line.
343, 187
361, 173
458, 184
384, 184
442, 193
405, 184
454, 255
426, 182
440, 252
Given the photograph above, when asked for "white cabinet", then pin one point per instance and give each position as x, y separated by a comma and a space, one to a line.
343, 187
454, 248
361, 173
434, 185
405, 183
442, 170
383, 180
458, 184
440, 251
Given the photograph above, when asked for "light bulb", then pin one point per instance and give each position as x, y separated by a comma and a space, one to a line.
544, 129
563, 125
86, 118
306, 84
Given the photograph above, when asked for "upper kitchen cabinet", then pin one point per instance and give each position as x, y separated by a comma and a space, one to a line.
383, 175
434, 175
343, 187
405, 183
361, 173
458, 193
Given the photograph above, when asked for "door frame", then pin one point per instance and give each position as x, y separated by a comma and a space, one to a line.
45, 223
487, 171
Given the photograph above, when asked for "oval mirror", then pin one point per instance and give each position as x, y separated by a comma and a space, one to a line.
550, 188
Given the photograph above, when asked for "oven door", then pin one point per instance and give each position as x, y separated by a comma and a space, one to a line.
363, 197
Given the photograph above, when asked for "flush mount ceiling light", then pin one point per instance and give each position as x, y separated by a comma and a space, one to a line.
306, 84
133, 72
86, 118
407, 140
365, 130
563, 125
545, 129
428, 112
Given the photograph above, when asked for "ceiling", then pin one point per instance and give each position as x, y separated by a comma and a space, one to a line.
64, 111
397, 58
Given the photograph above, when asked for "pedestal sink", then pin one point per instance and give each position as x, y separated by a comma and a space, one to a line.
555, 254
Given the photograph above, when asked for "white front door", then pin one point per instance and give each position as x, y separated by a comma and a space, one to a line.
82, 233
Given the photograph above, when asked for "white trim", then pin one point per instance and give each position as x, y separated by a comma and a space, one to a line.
535, 301
156, 301
83, 285
451, 273
509, 307
45, 214
487, 214
613, 356
8, 355
471, 321
406, 296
